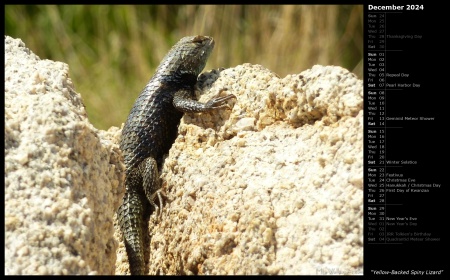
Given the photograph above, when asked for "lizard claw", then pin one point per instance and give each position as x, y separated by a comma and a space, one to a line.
219, 101
158, 209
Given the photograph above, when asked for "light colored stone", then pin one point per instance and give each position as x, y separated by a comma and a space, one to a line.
273, 186
63, 177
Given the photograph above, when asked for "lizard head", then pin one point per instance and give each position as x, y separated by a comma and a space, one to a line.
189, 55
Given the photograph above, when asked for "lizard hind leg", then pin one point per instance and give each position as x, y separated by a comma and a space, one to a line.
152, 183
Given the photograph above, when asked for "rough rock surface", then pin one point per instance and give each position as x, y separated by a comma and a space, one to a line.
63, 177
273, 186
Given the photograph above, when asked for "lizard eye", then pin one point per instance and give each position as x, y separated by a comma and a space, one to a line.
198, 39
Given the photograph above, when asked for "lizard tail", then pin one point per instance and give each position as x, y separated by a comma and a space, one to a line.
131, 223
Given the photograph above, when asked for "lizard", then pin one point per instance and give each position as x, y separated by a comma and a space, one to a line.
150, 130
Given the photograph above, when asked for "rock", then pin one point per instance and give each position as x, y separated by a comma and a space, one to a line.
63, 178
273, 186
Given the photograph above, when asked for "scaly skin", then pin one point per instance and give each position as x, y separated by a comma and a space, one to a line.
151, 129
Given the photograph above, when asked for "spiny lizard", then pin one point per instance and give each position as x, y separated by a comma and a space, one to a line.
151, 129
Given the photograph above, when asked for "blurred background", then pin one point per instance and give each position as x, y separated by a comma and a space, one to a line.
112, 51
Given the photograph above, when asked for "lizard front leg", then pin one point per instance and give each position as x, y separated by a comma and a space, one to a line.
183, 101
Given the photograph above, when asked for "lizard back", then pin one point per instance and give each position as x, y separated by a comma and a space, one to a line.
151, 126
